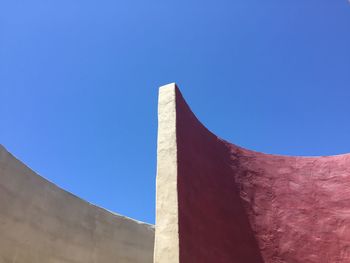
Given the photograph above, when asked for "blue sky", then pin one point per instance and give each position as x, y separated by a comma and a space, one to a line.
79, 82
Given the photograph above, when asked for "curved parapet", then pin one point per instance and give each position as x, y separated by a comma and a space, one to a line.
217, 202
41, 223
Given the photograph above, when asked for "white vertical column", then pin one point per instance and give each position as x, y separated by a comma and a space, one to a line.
166, 248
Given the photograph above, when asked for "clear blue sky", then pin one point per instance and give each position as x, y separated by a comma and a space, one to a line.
79, 82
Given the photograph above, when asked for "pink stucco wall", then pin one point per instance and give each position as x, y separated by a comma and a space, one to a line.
213, 226
237, 205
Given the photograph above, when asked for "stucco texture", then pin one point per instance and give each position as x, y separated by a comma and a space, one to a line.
216, 203
41, 223
239, 206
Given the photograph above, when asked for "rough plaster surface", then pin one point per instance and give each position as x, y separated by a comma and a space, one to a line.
41, 223
213, 226
167, 239
239, 206
299, 207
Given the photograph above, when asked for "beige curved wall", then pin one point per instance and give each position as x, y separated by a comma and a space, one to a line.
41, 223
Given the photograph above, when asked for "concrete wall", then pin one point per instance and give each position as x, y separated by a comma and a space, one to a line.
213, 225
41, 223
298, 207
200, 217
225, 204
167, 237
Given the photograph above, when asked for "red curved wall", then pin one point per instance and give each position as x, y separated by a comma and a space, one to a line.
299, 207
236, 205
213, 226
